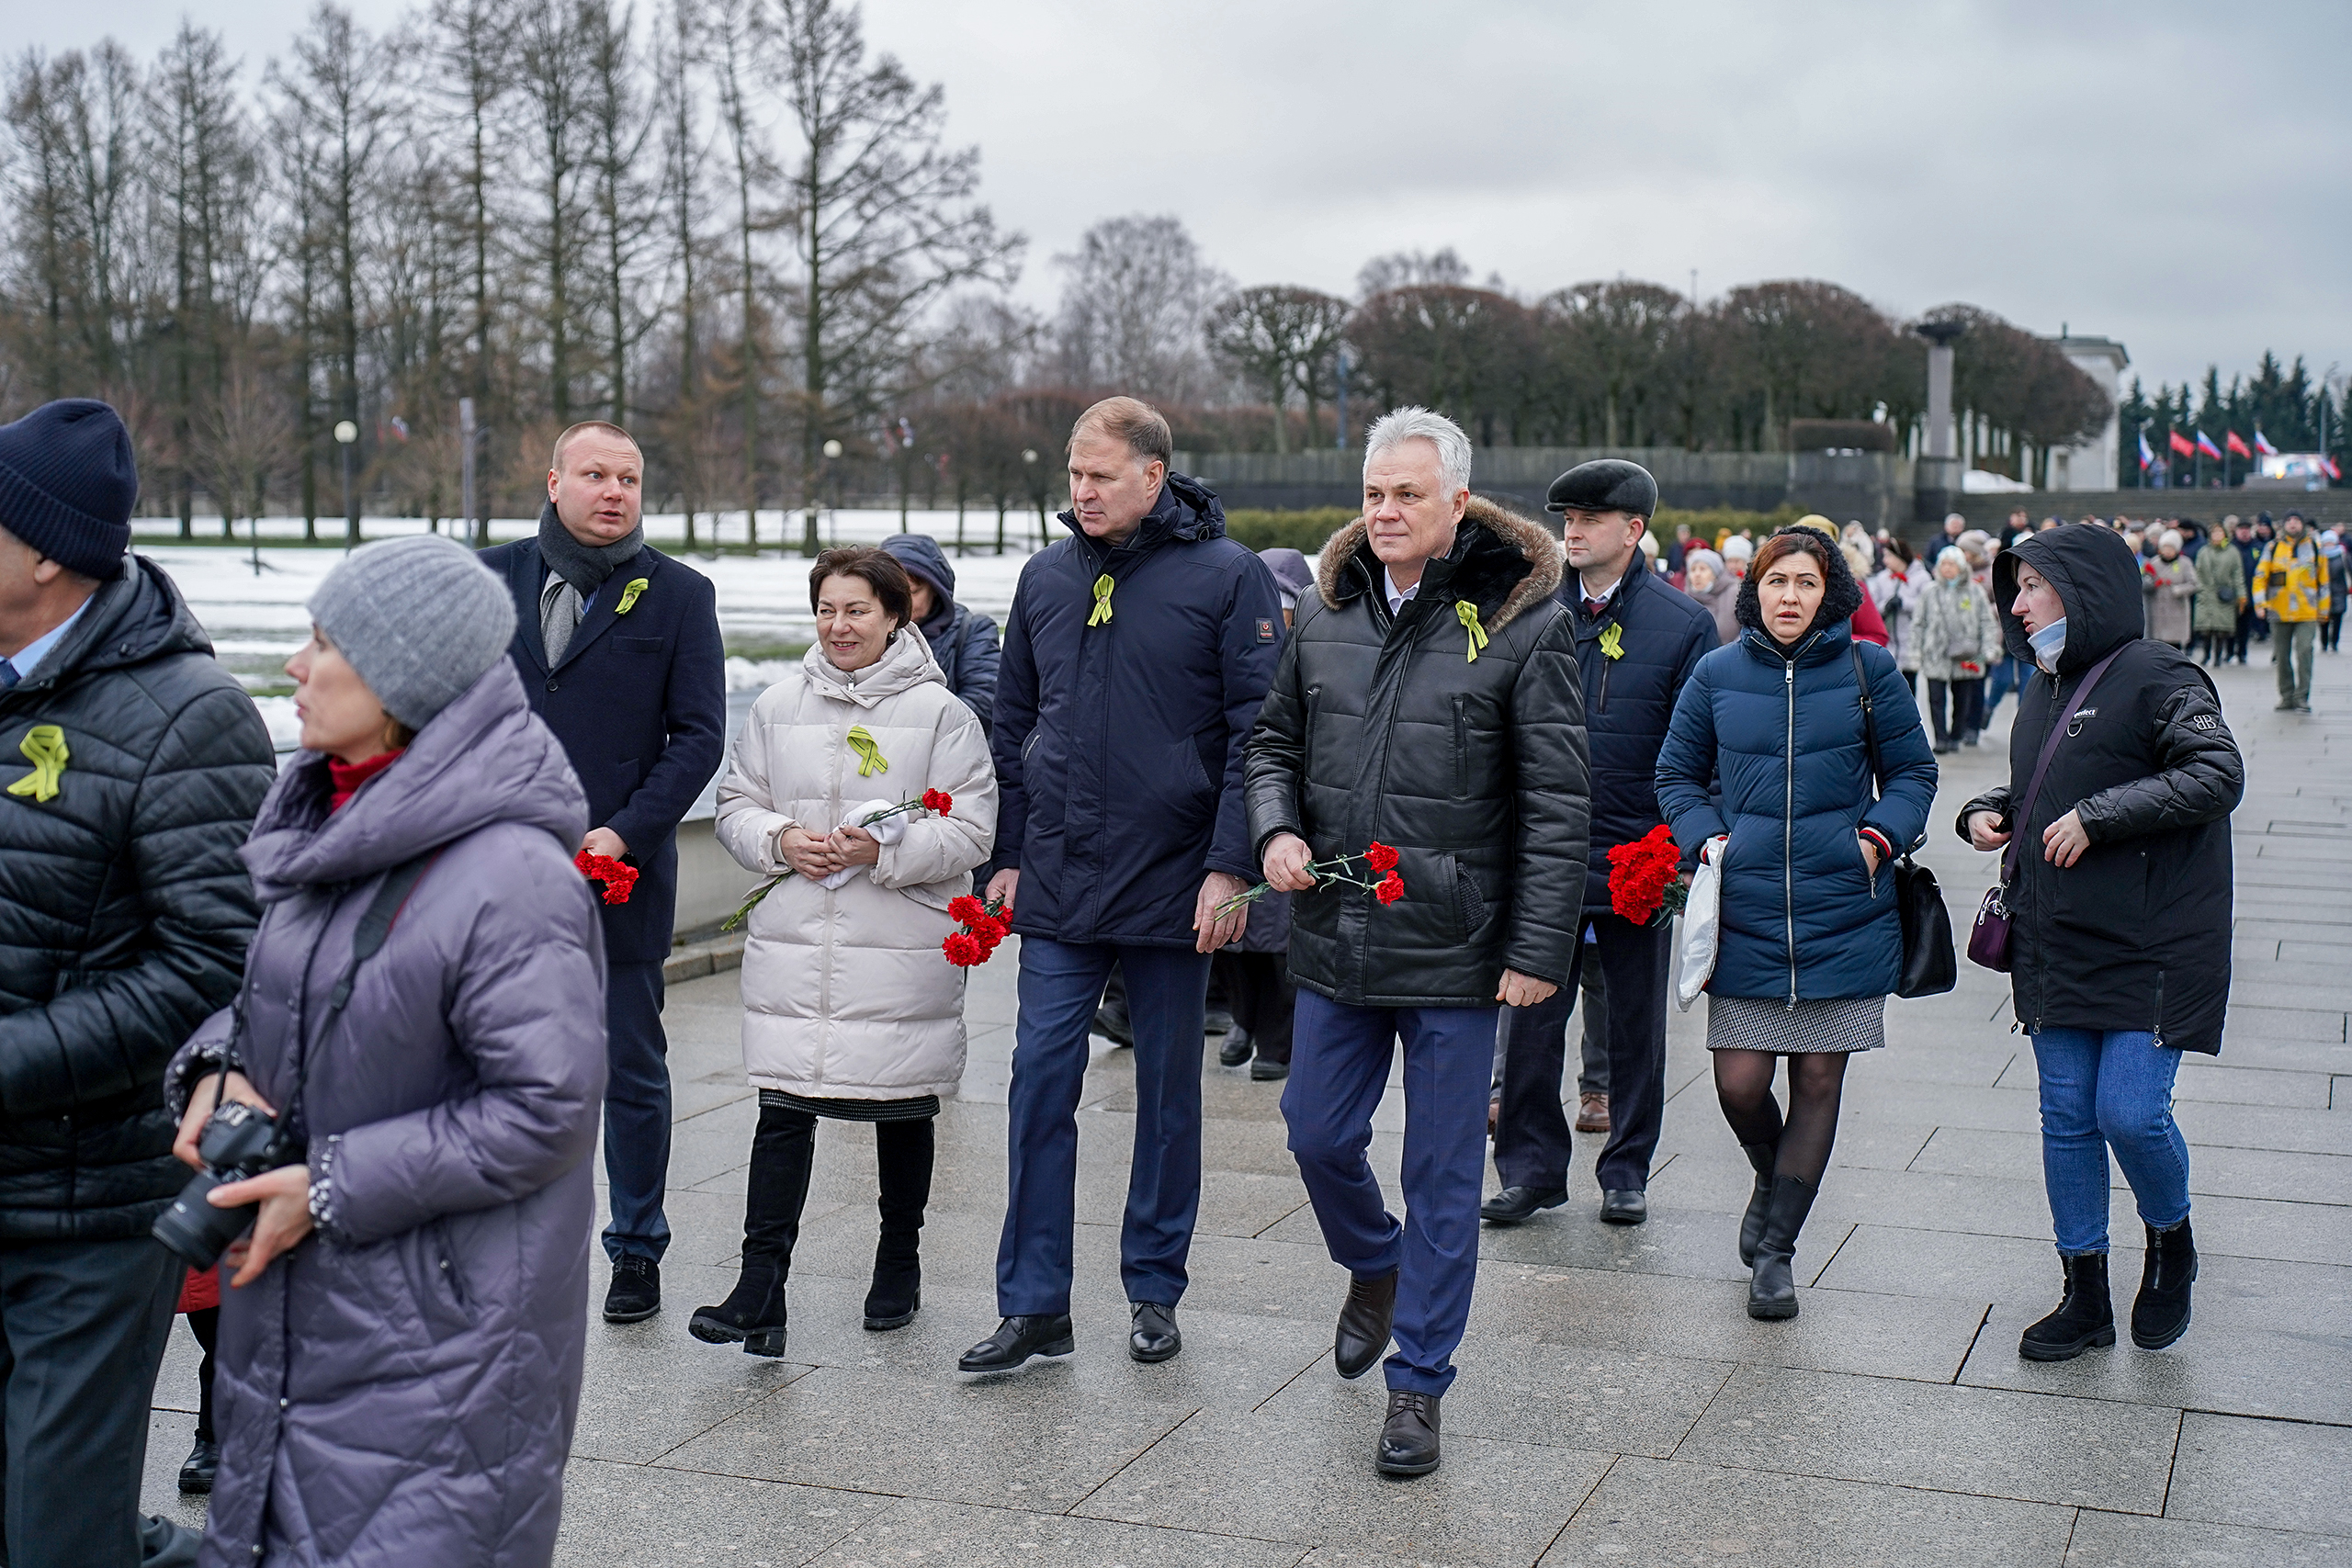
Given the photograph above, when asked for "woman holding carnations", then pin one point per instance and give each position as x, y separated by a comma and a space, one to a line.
852, 1009
1810, 943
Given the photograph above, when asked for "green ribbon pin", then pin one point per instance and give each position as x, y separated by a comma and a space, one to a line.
1467, 614
44, 747
1103, 586
1613, 640
636, 585
870, 759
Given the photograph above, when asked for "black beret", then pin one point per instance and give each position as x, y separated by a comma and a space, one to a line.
1605, 484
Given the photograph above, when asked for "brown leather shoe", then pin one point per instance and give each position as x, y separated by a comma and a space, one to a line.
1593, 1113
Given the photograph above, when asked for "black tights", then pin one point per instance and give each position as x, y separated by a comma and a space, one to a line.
1743, 1085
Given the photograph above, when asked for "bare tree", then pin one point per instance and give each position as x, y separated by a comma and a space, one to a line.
552, 47
737, 47
1278, 338
1132, 311
620, 125
682, 158
1411, 269
78, 120
242, 435
884, 219
1616, 333
468, 45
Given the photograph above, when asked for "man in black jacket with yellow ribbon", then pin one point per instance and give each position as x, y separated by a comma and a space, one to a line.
1426, 701
1637, 641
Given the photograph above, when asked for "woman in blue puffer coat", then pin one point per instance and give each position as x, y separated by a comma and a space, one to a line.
1811, 945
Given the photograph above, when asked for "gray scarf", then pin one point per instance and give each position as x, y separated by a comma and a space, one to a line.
574, 572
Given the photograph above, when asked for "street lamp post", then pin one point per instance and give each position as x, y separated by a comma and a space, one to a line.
347, 436
1937, 472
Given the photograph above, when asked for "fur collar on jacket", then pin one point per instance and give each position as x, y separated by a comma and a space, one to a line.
1499, 560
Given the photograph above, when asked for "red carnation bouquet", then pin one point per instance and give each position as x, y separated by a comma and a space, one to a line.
1645, 878
936, 801
985, 925
617, 877
1379, 860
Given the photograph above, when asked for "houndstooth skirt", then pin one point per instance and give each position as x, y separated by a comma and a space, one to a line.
1831, 1026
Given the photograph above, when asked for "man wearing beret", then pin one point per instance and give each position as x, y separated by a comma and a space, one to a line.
130, 768
619, 650
1637, 641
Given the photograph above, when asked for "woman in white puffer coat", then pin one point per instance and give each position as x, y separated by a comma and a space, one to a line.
850, 1010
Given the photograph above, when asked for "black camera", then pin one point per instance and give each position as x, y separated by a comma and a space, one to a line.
240, 1142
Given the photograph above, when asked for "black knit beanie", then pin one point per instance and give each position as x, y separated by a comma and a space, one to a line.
68, 483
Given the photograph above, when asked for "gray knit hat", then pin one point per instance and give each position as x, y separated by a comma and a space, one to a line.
420, 619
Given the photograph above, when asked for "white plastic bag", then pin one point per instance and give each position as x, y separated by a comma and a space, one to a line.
1701, 919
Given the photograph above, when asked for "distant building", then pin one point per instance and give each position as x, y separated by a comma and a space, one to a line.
2093, 464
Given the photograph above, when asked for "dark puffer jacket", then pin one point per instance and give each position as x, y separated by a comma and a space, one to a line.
1118, 745
1803, 917
1381, 726
2136, 933
400, 1387
1629, 701
124, 911
962, 640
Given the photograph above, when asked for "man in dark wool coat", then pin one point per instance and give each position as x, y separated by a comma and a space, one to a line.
1637, 641
619, 650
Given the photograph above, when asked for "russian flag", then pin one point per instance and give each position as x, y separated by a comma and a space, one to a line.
2333, 471
2205, 444
2262, 443
2237, 445
2147, 457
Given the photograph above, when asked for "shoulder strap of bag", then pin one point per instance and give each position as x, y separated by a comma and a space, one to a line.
2058, 727
1869, 721
366, 941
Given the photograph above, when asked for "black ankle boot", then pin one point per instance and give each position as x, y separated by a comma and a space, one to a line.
1773, 1288
2160, 1312
1751, 1223
752, 1316
2086, 1314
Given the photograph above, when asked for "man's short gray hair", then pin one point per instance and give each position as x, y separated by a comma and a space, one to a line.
1400, 426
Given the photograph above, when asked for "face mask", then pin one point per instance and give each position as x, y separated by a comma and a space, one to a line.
2047, 642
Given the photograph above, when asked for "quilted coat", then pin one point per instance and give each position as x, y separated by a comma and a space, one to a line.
399, 1388
2220, 584
124, 911
1381, 726
846, 995
1803, 917
2136, 933
1956, 622
2167, 586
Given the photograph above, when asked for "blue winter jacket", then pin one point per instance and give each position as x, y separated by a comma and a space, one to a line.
1118, 745
1804, 919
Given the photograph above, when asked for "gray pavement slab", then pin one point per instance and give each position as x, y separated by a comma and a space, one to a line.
2127, 1540
2269, 1371
920, 1532
630, 1516
2287, 1476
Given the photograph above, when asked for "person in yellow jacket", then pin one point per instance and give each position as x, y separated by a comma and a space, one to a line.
2291, 587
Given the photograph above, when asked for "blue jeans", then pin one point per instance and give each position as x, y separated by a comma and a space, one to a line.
2101, 1091
2007, 675
1061, 984
1339, 1070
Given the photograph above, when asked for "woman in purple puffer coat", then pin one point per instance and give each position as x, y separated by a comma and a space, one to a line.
399, 1346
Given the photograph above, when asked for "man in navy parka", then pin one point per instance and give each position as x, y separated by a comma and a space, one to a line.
1136, 654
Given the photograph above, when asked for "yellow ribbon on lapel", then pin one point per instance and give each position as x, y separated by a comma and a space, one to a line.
870, 759
628, 595
44, 747
1103, 586
1467, 614
1613, 640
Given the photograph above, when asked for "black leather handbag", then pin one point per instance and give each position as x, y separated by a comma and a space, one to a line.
1929, 965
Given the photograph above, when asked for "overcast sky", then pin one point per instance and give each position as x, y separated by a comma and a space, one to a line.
2167, 175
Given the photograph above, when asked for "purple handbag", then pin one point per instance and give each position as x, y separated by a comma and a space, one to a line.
1988, 940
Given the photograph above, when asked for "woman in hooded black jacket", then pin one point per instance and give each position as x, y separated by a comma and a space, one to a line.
2119, 916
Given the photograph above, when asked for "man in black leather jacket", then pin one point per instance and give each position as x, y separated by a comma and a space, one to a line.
1427, 702
131, 767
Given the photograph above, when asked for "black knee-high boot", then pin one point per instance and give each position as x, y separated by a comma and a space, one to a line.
754, 1315
1773, 1288
903, 1151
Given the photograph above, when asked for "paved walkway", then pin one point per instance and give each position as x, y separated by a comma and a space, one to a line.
1616, 1406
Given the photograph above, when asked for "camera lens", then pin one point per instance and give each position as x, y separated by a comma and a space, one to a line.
197, 1231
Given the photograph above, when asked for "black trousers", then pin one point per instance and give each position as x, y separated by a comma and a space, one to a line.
1967, 708
1258, 988
1532, 1134
85, 1323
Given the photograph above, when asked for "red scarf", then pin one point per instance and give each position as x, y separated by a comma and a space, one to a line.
348, 776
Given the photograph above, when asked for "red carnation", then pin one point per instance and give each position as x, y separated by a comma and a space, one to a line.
938, 800
1379, 856
1643, 876
618, 878
1391, 887
966, 910
964, 950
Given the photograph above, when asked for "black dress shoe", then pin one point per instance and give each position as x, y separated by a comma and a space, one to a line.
1625, 1206
203, 1462
1236, 1049
1154, 1336
637, 1290
1366, 1318
1265, 1069
1408, 1437
1017, 1339
1517, 1205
